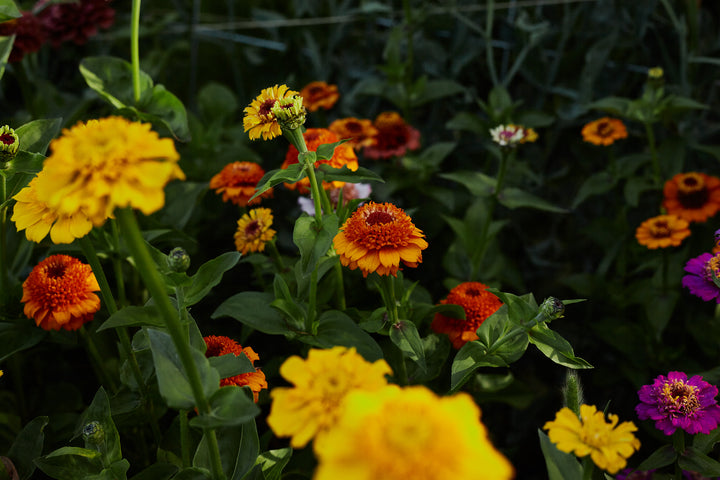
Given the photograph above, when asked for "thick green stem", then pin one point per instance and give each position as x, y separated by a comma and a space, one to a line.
135, 48
388, 285
653, 152
275, 254
184, 438
340, 286
117, 264
312, 323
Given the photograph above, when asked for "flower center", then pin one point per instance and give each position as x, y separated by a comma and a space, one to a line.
7, 139
55, 271
353, 127
472, 292
660, 229
679, 398
604, 129
692, 192
379, 218
594, 437
266, 107
712, 269
252, 229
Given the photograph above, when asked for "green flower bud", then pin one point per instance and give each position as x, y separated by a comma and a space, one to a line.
552, 309
290, 112
178, 260
656, 73
93, 433
9, 143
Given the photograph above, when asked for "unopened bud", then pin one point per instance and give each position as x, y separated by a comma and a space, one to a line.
552, 309
93, 433
290, 112
9, 143
178, 260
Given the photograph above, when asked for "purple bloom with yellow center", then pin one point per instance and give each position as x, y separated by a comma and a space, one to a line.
678, 402
703, 279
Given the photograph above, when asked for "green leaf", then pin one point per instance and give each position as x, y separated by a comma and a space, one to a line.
595, 184
693, 460
405, 336
291, 174
467, 121
515, 198
99, 412
314, 243
617, 106
273, 462
25, 162
560, 465
209, 275
706, 442
477, 183
660, 308
229, 406
8, 10
35, 136
229, 365
520, 309
112, 78
433, 90
116, 471
164, 107
555, 347
253, 309
239, 448
134, 316
326, 151
216, 102
344, 174
662, 457
193, 473
499, 100
436, 351
70, 463
336, 328
27, 446
157, 471
17, 336
6, 43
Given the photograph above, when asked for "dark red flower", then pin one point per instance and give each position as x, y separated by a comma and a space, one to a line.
74, 21
29, 35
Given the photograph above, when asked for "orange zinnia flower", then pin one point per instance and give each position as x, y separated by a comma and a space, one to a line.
314, 137
220, 345
58, 293
693, 196
377, 237
662, 231
237, 182
604, 131
319, 95
360, 133
394, 137
478, 304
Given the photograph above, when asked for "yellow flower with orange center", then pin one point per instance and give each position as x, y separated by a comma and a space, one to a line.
692, 196
402, 433
311, 407
253, 230
314, 137
259, 121
662, 231
58, 293
237, 181
478, 305
360, 133
318, 95
218, 345
604, 131
377, 237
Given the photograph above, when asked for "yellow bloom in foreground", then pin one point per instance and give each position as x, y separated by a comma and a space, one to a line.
409, 433
253, 231
312, 406
607, 443
105, 164
259, 119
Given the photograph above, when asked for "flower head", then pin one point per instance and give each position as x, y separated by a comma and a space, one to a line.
393, 139
58, 293
290, 112
478, 304
397, 434
703, 273
318, 95
508, 135
253, 230
259, 119
9, 143
693, 196
360, 133
74, 21
314, 137
607, 443
662, 231
678, 402
220, 345
604, 131
320, 384
237, 181
377, 237
29, 35
105, 164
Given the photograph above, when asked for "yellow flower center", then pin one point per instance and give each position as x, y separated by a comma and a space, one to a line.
712, 268
679, 398
594, 437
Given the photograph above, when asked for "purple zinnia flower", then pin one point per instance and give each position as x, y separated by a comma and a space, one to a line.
676, 402
630, 474
703, 270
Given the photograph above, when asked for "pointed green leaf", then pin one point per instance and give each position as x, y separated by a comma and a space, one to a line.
327, 150
477, 183
336, 328
8, 10
17, 336
273, 462
70, 463
229, 365
560, 465
344, 174
35, 136
516, 198
254, 310
314, 243
239, 448
291, 174
28, 446
209, 275
134, 316
6, 43
112, 78
555, 347
98, 417
405, 336
662, 457
229, 406
693, 460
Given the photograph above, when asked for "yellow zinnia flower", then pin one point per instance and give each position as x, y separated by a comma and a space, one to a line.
397, 434
259, 119
314, 403
105, 164
253, 231
607, 443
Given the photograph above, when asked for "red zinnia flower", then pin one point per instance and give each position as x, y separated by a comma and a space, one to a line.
75, 21
29, 35
478, 304
693, 196
220, 345
394, 137
237, 182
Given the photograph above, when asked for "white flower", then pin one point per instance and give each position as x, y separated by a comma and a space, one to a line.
507, 135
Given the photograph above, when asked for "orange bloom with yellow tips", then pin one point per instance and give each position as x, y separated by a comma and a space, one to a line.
314, 137
253, 231
478, 304
259, 121
377, 237
692, 196
218, 345
318, 95
58, 293
359, 133
604, 131
662, 231
237, 181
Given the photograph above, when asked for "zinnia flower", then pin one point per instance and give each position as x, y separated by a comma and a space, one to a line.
703, 271
693, 196
478, 304
604, 131
394, 137
29, 35
507, 135
105, 164
58, 293
314, 403
220, 345
360, 133
377, 237
318, 95
409, 433
253, 230
662, 231
675, 402
314, 137
259, 120
607, 443
237, 182
74, 21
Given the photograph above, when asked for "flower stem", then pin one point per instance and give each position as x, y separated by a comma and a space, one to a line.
105, 378
340, 286
4, 280
184, 438
135, 48
388, 284
275, 254
653, 152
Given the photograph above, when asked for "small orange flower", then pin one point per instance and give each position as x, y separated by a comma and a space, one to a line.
377, 237
237, 182
662, 231
314, 137
359, 132
693, 196
319, 95
58, 293
220, 345
604, 131
478, 304
394, 137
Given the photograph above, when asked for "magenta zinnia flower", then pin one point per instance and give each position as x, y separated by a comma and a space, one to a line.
74, 21
676, 402
703, 270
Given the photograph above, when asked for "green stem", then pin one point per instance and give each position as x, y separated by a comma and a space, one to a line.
488, 41
97, 361
653, 152
388, 285
117, 264
184, 438
678, 440
275, 254
340, 286
135, 48
4, 280
155, 285
312, 325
